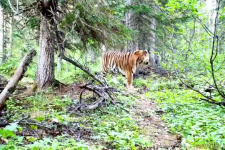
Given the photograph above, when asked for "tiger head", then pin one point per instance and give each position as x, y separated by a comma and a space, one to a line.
143, 56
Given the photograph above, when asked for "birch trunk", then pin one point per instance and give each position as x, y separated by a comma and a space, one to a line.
211, 6
59, 66
9, 53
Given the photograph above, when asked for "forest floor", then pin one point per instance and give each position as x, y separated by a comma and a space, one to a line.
52, 115
148, 115
160, 114
149, 119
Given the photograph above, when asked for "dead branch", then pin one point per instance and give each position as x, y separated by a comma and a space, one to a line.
27, 121
103, 91
208, 99
104, 94
75, 63
54, 128
213, 102
214, 53
18, 75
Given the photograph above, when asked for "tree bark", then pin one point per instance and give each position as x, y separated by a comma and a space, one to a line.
146, 25
18, 75
45, 69
59, 66
1, 34
9, 53
132, 23
152, 39
211, 6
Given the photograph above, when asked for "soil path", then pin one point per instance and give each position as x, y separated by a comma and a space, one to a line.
148, 117
153, 128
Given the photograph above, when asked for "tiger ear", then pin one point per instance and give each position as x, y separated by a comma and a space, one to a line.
145, 52
137, 52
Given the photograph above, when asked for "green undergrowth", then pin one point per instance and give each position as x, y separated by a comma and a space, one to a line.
200, 124
112, 126
7, 69
68, 74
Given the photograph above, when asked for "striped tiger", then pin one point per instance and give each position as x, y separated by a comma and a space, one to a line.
125, 62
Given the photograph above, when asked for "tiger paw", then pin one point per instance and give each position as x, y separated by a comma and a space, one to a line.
130, 88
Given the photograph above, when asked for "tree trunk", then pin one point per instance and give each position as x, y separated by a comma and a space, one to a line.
9, 53
146, 25
152, 39
45, 69
93, 57
132, 23
1, 34
59, 66
211, 8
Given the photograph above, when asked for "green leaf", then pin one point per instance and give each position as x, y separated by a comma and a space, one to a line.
6, 133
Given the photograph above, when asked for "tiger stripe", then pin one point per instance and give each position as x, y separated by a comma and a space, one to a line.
126, 62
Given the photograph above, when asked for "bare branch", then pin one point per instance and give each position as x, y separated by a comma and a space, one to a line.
10, 4
214, 55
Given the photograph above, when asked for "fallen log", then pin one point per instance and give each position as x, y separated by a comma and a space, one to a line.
18, 75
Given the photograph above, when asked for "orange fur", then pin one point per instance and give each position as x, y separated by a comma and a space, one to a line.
125, 62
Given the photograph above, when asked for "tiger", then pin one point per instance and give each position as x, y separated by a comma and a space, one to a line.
125, 62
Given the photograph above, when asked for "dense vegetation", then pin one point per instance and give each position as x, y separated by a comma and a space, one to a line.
186, 77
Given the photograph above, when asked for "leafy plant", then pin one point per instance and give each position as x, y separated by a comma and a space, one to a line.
199, 123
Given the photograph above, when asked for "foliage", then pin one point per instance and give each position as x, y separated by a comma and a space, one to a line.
200, 124
184, 44
16, 142
9, 68
93, 23
113, 126
188, 42
118, 129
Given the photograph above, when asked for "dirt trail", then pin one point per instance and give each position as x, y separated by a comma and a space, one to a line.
148, 118
153, 128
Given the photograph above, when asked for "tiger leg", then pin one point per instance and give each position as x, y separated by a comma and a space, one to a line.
129, 76
104, 72
104, 67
